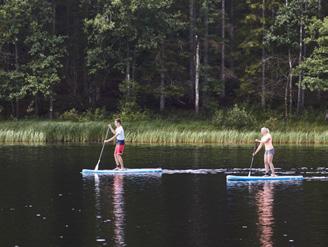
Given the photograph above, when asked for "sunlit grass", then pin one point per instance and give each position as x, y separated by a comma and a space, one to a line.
156, 132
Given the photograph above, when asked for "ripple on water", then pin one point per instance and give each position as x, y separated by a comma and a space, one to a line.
101, 240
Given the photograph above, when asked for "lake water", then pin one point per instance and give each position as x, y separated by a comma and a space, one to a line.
45, 201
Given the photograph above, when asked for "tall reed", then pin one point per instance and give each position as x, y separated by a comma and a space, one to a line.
87, 132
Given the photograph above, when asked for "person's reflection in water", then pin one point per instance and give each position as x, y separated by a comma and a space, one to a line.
118, 210
103, 189
264, 203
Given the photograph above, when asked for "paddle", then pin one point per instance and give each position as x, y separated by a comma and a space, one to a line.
102, 149
250, 168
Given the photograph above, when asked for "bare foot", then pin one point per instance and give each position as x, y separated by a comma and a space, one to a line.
273, 175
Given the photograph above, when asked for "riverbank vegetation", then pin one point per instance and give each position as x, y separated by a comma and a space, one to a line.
174, 71
234, 126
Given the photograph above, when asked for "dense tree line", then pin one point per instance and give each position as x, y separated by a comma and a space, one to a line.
200, 55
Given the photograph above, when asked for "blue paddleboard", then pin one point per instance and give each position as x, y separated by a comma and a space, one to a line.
262, 178
123, 171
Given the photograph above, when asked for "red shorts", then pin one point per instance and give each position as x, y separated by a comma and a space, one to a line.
119, 148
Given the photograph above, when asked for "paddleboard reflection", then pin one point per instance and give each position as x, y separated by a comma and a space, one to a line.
114, 194
259, 199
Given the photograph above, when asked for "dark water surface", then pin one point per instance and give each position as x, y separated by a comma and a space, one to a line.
45, 201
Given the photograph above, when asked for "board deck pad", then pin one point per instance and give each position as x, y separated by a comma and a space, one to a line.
123, 171
263, 178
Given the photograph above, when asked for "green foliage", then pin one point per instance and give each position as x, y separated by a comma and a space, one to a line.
134, 116
235, 118
97, 114
273, 123
219, 118
117, 53
315, 67
14, 19
43, 70
129, 108
71, 115
36, 49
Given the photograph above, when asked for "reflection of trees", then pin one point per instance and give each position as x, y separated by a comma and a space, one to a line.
264, 203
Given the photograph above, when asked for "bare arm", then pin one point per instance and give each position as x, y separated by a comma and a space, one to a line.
263, 141
258, 148
111, 129
110, 139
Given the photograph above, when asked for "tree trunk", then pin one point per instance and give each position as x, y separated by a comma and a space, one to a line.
13, 112
197, 75
320, 9
51, 107
36, 105
85, 84
290, 79
263, 59
133, 69
191, 43
17, 107
92, 93
304, 55
162, 75
290, 73
17, 69
205, 86
98, 87
231, 36
223, 47
51, 98
300, 76
286, 98
320, 17
128, 71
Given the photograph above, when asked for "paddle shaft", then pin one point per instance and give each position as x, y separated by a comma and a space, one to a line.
250, 168
102, 150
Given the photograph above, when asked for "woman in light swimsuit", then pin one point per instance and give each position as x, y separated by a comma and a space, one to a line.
266, 140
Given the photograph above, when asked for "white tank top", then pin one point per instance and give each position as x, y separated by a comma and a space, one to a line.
120, 133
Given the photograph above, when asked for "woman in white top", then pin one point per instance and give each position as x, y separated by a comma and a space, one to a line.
120, 143
266, 140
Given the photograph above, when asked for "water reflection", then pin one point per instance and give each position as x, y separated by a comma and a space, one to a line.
118, 210
112, 199
264, 205
261, 194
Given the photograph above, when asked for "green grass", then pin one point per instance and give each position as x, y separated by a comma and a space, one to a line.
155, 131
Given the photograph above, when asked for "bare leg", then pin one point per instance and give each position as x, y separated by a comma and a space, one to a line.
116, 161
266, 164
120, 160
269, 159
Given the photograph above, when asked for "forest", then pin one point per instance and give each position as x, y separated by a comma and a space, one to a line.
75, 56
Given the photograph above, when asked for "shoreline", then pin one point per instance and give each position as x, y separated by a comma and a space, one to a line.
48, 132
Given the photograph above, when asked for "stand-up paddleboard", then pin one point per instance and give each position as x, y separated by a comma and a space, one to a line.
123, 171
263, 178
